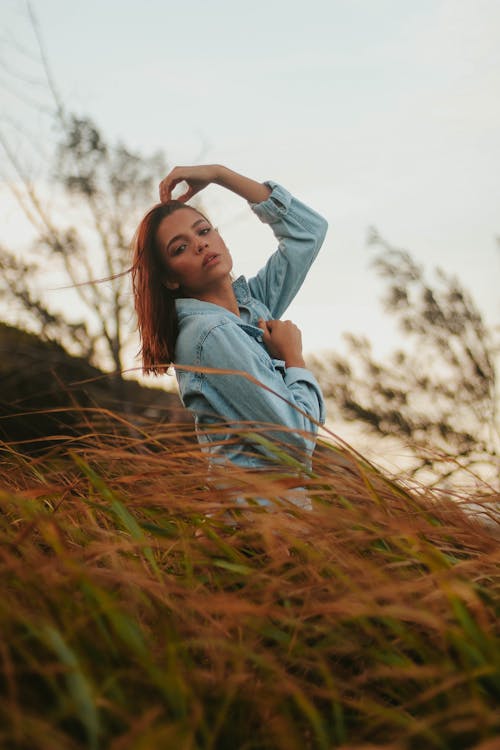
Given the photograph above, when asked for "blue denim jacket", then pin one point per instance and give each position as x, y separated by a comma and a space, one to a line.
212, 337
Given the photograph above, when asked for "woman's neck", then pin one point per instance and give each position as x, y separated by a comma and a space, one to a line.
222, 295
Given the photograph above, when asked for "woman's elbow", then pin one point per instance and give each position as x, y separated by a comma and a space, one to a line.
304, 436
304, 443
322, 230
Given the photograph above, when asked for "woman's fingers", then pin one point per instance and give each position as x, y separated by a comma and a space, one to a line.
266, 327
283, 327
187, 194
196, 177
170, 182
283, 340
166, 187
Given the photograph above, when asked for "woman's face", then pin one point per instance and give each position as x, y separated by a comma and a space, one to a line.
194, 255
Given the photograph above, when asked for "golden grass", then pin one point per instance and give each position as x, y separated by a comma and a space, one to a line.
144, 607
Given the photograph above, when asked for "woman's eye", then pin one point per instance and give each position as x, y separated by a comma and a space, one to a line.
206, 230
178, 250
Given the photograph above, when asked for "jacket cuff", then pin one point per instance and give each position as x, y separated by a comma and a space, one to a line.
275, 206
301, 374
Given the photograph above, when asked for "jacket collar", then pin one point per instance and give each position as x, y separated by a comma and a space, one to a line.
189, 306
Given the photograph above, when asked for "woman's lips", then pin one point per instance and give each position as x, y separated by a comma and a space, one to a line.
210, 260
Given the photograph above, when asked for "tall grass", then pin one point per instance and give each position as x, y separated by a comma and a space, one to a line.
143, 606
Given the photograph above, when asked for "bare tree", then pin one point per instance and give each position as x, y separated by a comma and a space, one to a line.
83, 197
441, 395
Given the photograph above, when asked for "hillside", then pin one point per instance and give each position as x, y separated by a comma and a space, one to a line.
43, 390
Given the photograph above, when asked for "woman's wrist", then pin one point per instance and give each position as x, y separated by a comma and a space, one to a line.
295, 362
251, 190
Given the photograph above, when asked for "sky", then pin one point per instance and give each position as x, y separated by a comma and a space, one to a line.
377, 113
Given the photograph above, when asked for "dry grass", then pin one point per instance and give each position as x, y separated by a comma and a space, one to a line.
144, 607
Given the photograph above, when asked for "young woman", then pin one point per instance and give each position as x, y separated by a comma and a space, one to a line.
238, 366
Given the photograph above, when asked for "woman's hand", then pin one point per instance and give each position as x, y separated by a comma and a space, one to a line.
283, 340
198, 177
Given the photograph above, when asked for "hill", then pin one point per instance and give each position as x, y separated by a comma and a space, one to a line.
46, 392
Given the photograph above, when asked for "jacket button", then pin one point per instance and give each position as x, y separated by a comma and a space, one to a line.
259, 339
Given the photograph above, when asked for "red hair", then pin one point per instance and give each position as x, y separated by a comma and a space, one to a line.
154, 303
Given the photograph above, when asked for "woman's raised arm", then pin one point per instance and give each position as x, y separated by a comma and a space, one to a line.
198, 177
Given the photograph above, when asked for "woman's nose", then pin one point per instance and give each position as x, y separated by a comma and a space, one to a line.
202, 244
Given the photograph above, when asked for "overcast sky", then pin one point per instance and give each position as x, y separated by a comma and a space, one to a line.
380, 113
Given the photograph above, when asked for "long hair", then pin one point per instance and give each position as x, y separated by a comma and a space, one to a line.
154, 303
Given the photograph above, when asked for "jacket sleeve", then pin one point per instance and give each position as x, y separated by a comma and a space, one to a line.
289, 398
300, 232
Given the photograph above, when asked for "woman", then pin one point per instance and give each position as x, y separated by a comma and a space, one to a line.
193, 315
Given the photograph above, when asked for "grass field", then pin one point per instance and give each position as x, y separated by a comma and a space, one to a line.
143, 607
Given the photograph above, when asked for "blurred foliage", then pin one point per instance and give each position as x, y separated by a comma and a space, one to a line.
101, 190
83, 197
440, 393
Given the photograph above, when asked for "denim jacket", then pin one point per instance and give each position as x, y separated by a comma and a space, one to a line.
211, 336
